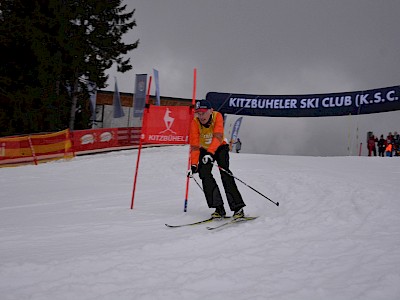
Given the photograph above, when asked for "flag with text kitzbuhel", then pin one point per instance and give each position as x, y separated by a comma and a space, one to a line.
167, 124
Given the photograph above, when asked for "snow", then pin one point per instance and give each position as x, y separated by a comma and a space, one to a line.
67, 230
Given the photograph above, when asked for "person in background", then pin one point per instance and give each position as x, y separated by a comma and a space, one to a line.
371, 145
207, 144
381, 146
389, 138
396, 143
388, 150
238, 146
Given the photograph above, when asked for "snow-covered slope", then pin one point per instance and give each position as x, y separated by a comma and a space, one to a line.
67, 230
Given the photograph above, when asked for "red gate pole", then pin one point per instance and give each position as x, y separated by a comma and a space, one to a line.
136, 171
140, 143
191, 112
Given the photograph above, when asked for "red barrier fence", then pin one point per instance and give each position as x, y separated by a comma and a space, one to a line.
94, 140
32, 148
65, 144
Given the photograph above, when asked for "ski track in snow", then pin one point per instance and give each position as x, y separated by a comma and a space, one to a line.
67, 231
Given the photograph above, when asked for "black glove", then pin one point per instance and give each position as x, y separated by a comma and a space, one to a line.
208, 158
193, 170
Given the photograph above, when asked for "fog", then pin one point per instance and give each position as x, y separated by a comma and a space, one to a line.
318, 136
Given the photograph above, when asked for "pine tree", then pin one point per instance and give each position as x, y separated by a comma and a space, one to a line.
50, 50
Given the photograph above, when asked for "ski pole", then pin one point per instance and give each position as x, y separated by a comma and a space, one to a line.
197, 183
230, 174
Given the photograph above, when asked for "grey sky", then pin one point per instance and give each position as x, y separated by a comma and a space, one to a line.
265, 47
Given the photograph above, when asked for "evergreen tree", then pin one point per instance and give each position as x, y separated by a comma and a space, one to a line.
50, 50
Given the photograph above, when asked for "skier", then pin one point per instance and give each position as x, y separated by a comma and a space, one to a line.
207, 144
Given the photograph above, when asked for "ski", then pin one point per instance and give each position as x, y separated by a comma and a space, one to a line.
232, 222
197, 223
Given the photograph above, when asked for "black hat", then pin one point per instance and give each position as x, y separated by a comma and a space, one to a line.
202, 105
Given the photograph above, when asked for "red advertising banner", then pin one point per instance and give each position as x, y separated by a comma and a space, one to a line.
43, 147
92, 139
167, 124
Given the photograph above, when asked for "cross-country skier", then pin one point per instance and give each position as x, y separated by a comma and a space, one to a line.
207, 144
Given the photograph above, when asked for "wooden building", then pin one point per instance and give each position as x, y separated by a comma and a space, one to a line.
106, 98
104, 108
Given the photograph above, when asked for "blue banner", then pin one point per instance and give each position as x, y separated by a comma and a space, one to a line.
92, 99
235, 131
117, 106
313, 105
140, 95
93, 96
157, 83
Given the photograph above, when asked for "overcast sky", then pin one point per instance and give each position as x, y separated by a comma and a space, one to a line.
266, 47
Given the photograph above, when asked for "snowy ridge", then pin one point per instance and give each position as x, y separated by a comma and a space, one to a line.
67, 231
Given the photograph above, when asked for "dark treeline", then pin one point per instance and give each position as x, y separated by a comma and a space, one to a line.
50, 51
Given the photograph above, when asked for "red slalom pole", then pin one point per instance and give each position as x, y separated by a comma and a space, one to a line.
140, 143
136, 171
191, 112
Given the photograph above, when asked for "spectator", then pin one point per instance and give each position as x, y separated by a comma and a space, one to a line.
382, 146
371, 145
396, 143
388, 150
389, 138
238, 145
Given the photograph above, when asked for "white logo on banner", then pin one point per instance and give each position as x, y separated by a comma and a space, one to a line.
106, 137
168, 120
87, 139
